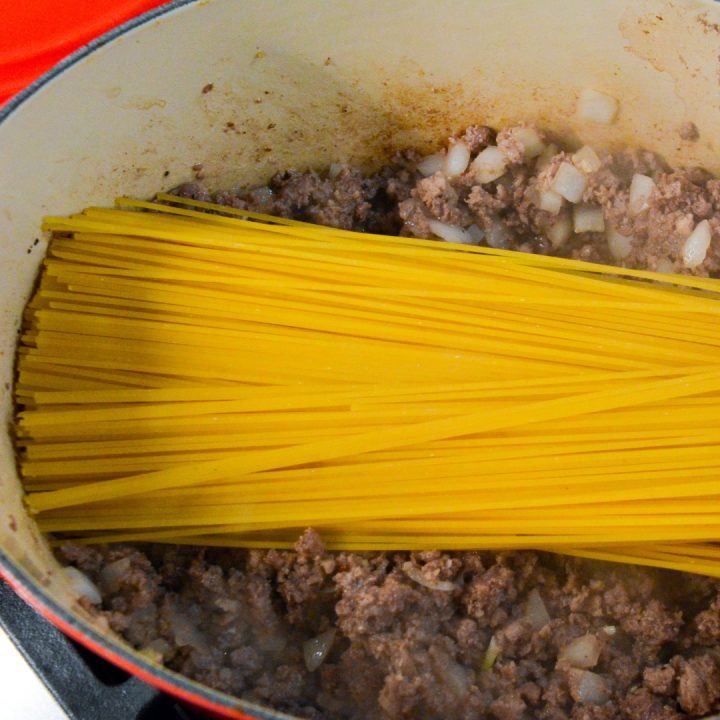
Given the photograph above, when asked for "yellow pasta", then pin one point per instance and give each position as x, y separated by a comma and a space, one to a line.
193, 373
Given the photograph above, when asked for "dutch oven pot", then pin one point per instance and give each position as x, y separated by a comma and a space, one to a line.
249, 88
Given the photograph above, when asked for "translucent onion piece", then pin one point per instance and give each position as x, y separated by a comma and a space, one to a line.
431, 164
597, 107
641, 188
491, 654
569, 182
588, 687
531, 141
416, 574
316, 649
451, 233
582, 652
587, 160
457, 159
112, 573
588, 218
535, 611
620, 246
83, 585
497, 236
560, 231
696, 246
476, 233
546, 156
489, 165
550, 201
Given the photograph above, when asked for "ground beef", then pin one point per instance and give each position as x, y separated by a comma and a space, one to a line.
505, 212
442, 635
237, 621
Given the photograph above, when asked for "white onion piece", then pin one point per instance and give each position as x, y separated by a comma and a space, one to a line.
416, 574
586, 159
569, 182
550, 201
696, 246
620, 246
184, 629
112, 573
497, 237
531, 141
588, 687
664, 266
451, 233
457, 159
535, 611
588, 218
476, 233
560, 231
582, 652
83, 585
431, 164
489, 165
597, 107
546, 157
333, 171
316, 649
609, 630
491, 654
157, 649
641, 188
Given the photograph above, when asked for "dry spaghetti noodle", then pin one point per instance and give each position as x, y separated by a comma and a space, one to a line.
191, 373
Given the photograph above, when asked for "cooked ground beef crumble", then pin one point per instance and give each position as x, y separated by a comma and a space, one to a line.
431, 634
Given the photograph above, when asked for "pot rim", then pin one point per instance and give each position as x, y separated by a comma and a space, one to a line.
22, 582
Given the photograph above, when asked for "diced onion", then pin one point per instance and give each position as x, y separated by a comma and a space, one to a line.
451, 233
491, 654
569, 182
83, 585
184, 630
546, 156
641, 188
588, 687
550, 201
531, 141
431, 164
489, 165
416, 574
535, 611
664, 266
333, 171
696, 246
588, 218
620, 246
157, 649
112, 573
457, 159
497, 236
609, 630
582, 652
587, 160
597, 107
316, 649
560, 231
476, 233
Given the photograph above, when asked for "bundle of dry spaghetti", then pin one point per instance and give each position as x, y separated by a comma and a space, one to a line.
228, 378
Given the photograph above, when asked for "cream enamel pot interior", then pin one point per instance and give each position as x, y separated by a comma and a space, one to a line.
303, 84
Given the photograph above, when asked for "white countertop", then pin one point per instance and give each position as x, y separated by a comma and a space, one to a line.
24, 697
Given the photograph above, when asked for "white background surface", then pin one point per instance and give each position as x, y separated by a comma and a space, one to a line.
24, 697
